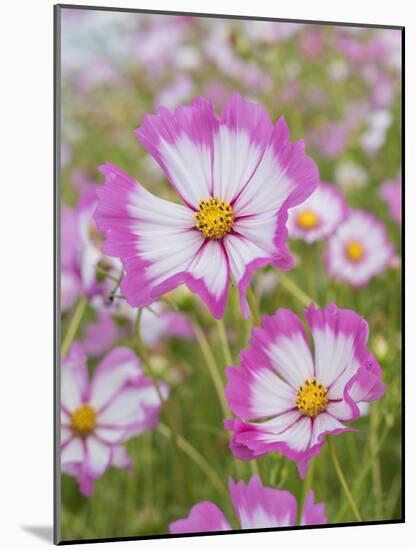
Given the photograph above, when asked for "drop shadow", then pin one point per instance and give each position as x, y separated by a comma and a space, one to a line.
44, 532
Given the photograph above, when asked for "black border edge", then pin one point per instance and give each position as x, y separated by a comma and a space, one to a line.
57, 273
56, 278
403, 278
228, 16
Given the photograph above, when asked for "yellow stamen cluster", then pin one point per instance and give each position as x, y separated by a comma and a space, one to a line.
214, 218
312, 398
307, 220
355, 251
83, 420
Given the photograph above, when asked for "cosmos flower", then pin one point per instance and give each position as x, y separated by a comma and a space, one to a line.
294, 397
236, 175
391, 193
318, 216
359, 250
256, 507
81, 254
70, 280
99, 415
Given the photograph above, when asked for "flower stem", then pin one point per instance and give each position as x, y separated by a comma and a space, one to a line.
73, 326
252, 301
224, 342
212, 367
295, 290
144, 356
197, 458
343, 481
306, 487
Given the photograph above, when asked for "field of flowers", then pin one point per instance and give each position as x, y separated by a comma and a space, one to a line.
231, 324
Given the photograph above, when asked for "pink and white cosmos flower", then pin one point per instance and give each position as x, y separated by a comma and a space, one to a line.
236, 176
256, 507
97, 416
293, 396
359, 250
391, 193
318, 216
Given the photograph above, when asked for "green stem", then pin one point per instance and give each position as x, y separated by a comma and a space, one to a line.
364, 471
197, 458
252, 301
212, 367
73, 326
224, 342
295, 290
343, 481
376, 472
144, 356
306, 487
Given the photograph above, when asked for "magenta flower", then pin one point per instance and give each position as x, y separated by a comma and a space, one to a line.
359, 250
391, 193
318, 216
97, 416
70, 278
81, 254
236, 175
256, 507
295, 397
156, 325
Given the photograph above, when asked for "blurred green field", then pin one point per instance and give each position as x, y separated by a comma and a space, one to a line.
98, 126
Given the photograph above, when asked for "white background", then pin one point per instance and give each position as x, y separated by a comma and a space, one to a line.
26, 301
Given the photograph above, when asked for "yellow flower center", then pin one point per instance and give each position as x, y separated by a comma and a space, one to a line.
214, 218
355, 251
83, 420
312, 397
307, 220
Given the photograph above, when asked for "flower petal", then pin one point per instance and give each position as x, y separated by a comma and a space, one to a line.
203, 517
259, 507
284, 178
340, 336
118, 367
72, 452
208, 276
155, 239
239, 142
98, 457
313, 514
281, 343
255, 391
74, 380
182, 145
324, 424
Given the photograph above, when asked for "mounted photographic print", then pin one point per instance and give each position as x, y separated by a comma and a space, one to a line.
228, 274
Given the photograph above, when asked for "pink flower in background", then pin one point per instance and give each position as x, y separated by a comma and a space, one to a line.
236, 175
156, 325
70, 279
359, 250
329, 138
311, 43
255, 506
296, 397
318, 216
81, 254
99, 415
391, 193
177, 91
